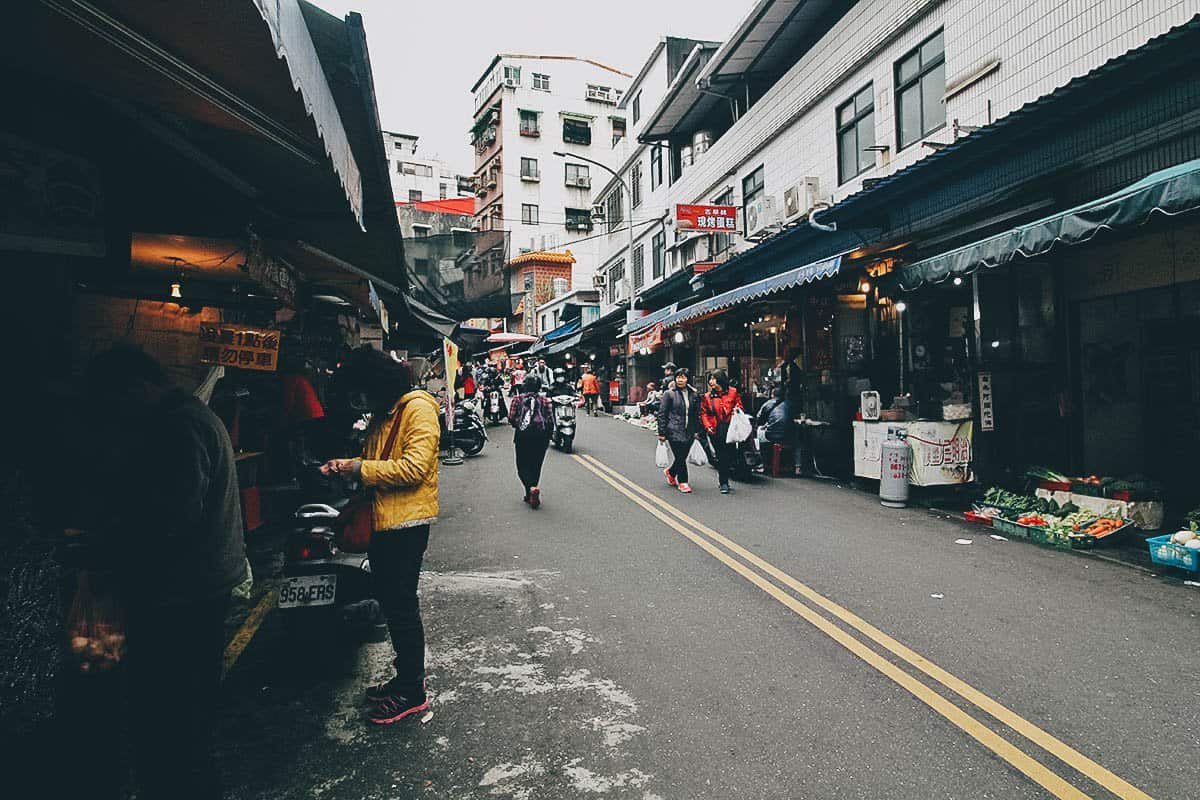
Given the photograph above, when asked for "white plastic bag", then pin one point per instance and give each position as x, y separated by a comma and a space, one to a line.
697, 456
739, 427
662, 456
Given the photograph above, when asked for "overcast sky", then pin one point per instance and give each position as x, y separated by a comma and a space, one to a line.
426, 54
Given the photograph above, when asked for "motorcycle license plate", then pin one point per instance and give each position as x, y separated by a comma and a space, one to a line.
308, 590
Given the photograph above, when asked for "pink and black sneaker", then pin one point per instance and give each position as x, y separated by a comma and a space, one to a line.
671, 480
395, 707
535, 497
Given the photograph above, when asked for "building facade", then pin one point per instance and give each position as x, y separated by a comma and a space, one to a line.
527, 108
539, 277
418, 178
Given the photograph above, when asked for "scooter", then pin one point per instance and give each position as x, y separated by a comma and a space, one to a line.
564, 422
325, 586
470, 434
494, 410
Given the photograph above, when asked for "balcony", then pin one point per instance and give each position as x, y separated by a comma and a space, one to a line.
531, 130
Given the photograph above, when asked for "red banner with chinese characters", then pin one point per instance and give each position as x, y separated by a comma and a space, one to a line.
701, 267
713, 219
648, 339
227, 345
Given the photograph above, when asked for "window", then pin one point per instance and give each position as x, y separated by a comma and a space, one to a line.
719, 242
602, 94
541, 82
752, 187
579, 219
529, 123
618, 128
637, 107
614, 210
420, 231
512, 75
442, 190
635, 183
616, 274
527, 281
576, 131
529, 169
529, 214
414, 195
578, 175
855, 133
657, 253
920, 84
639, 266
655, 166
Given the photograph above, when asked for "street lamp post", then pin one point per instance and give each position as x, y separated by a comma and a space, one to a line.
629, 272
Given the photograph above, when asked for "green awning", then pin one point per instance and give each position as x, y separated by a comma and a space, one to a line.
1171, 191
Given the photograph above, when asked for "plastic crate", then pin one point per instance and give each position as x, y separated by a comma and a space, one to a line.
1010, 529
1164, 551
977, 518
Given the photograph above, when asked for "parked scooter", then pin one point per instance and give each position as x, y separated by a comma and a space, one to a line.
564, 421
470, 434
494, 406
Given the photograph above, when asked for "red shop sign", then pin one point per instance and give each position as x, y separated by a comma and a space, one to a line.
714, 219
649, 338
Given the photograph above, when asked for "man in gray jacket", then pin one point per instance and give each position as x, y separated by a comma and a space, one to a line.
178, 552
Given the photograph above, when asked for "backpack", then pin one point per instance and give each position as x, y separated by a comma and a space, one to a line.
534, 416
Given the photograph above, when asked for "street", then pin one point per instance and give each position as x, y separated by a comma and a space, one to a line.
792, 640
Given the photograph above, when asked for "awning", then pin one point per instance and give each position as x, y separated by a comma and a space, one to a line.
562, 331
565, 345
752, 291
650, 319
1171, 191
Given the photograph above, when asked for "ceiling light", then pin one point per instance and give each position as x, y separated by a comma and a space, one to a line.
176, 291
865, 286
901, 306
995, 344
678, 337
957, 281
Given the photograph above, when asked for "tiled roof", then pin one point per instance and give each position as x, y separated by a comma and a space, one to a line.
543, 257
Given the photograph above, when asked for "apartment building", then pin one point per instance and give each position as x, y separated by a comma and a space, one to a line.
808, 103
527, 108
419, 178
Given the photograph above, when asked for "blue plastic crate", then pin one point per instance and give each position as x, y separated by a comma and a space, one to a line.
1164, 551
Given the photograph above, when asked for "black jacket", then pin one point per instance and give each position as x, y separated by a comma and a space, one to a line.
185, 540
679, 416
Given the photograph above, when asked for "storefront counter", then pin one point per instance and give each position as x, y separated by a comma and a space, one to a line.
941, 451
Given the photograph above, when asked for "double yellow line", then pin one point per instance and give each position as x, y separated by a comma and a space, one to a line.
761, 574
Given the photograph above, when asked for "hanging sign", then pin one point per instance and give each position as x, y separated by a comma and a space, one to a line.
648, 339
230, 345
450, 360
713, 219
701, 267
987, 412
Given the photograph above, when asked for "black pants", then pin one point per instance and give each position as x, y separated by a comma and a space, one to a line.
726, 454
395, 568
531, 452
175, 663
679, 469
590, 402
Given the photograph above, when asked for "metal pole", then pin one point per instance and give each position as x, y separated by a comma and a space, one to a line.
900, 317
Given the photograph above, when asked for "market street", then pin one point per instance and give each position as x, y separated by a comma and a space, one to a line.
629, 641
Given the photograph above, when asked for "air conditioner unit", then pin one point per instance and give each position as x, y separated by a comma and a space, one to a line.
599, 280
598, 212
761, 217
580, 182
799, 199
511, 83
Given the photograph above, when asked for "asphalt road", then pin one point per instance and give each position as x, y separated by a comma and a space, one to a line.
792, 640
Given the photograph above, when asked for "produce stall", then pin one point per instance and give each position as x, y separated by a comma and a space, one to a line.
1136, 499
941, 451
1047, 521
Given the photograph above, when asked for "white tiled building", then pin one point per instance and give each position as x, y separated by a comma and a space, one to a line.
527, 107
787, 92
417, 177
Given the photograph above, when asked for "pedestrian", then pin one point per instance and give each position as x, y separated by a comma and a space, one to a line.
589, 386
542, 372
532, 418
716, 410
679, 426
399, 467
178, 551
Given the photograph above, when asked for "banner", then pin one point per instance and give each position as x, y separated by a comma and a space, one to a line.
229, 345
450, 358
649, 338
713, 219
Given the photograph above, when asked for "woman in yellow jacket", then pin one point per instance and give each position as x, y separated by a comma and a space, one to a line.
399, 466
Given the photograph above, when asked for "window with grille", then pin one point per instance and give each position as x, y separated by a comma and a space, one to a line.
529, 123
637, 107
920, 85
529, 214
719, 242
639, 267
614, 210
442, 191
576, 131
414, 195
529, 168
616, 274
618, 130
657, 254
579, 219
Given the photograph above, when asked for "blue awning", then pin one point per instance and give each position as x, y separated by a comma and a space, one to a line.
564, 345
649, 319
753, 291
1171, 191
562, 331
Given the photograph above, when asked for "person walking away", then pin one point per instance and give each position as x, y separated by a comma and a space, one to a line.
679, 426
716, 410
403, 482
178, 551
590, 388
532, 418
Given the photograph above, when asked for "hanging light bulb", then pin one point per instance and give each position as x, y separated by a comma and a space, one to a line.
678, 337
176, 291
957, 281
864, 286
774, 330
901, 306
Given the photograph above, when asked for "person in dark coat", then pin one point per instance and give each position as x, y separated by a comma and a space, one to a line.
678, 426
532, 418
179, 552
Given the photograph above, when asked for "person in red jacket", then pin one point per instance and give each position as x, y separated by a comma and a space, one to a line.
716, 410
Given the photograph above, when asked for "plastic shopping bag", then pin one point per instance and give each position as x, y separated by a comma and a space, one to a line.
662, 456
697, 455
95, 627
739, 427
